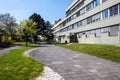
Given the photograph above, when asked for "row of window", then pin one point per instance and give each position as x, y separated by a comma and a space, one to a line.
90, 6
113, 31
75, 7
112, 11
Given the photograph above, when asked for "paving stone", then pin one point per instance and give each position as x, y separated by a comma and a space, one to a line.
74, 65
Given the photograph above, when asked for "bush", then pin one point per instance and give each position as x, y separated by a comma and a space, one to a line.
9, 40
6, 41
3, 39
44, 39
4, 44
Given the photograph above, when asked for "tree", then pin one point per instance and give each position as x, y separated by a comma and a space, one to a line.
39, 20
27, 28
2, 29
10, 23
40, 25
48, 31
43, 27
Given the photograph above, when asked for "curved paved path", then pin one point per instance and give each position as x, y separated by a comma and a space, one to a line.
76, 66
7, 50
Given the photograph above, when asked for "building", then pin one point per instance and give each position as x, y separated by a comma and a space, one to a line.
91, 22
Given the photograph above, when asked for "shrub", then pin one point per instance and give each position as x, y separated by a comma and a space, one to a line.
44, 39
7, 39
3, 38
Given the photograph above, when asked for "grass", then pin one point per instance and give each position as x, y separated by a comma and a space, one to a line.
108, 52
0, 48
16, 66
24, 44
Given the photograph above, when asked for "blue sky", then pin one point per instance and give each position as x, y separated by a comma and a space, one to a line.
50, 10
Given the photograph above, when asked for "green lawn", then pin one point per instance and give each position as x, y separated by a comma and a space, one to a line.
109, 52
24, 44
0, 48
16, 66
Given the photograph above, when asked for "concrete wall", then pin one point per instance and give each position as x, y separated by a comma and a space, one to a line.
103, 39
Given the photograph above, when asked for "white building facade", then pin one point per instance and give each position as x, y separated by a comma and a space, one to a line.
90, 22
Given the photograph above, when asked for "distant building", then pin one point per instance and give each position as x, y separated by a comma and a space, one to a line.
90, 21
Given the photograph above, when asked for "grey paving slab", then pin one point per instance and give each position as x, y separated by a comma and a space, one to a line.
73, 65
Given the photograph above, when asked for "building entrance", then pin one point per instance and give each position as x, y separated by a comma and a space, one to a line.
73, 38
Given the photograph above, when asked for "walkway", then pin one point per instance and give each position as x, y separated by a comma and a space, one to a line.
7, 50
76, 66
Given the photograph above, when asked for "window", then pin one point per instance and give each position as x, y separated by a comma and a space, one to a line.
114, 30
96, 17
64, 23
80, 35
70, 27
74, 16
119, 8
61, 25
78, 13
90, 6
103, 1
89, 20
82, 11
79, 23
105, 14
74, 26
97, 2
63, 37
119, 27
80, 4
67, 29
114, 10
97, 33
104, 30
87, 8
77, 35
111, 11
75, 7
68, 20
84, 22
93, 32
88, 34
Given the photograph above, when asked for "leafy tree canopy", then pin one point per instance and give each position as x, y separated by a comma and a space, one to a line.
43, 27
38, 19
27, 29
10, 23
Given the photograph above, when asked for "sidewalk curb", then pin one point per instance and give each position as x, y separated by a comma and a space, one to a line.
27, 53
